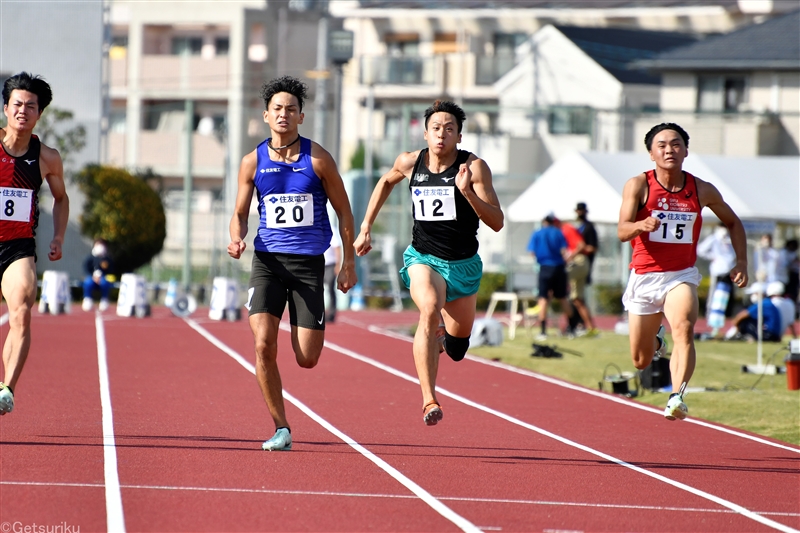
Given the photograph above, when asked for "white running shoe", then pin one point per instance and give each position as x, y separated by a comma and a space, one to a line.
541, 337
87, 304
103, 304
676, 409
662, 347
280, 442
6, 399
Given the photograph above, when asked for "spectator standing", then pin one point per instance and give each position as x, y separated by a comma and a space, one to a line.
718, 249
549, 247
776, 292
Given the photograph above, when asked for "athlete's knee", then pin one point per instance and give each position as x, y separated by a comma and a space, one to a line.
307, 360
642, 360
682, 330
19, 318
456, 347
265, 350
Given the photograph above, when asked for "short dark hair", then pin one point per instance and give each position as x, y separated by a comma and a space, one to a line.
648, 139
284, 84
445, 106
31, 83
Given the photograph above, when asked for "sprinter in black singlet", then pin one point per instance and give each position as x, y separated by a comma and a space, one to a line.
451, 192
24, 163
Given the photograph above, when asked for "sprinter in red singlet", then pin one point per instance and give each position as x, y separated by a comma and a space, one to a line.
661, 216
24, 164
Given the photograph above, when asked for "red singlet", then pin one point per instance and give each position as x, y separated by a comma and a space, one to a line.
20, 179
673, 246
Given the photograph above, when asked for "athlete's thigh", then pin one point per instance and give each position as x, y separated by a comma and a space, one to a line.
307, 293
307, 343
427, 286
642, 331
681, 304
18, 285
265, 328
459, 315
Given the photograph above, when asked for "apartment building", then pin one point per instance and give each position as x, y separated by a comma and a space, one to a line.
738, 94
207, 59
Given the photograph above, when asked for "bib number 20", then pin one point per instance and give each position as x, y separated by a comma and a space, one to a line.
289, 211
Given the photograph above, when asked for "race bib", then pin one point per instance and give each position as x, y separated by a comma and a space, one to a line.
676, 227
15, 204
434, 203
289, 210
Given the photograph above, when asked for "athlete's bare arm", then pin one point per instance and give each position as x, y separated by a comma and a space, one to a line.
241, 211
710, 197
633, 195
52, 169
325, 168
474, 180
403, 167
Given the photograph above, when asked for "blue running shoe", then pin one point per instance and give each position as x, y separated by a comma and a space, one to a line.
280, 442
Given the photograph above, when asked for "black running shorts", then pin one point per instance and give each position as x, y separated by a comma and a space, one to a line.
276, 278
14, 250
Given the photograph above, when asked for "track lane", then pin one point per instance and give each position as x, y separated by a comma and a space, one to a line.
189, 418
739, 465
51, 445
354, 387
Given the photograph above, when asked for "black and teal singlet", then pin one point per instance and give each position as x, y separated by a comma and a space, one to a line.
445, 225
292, 205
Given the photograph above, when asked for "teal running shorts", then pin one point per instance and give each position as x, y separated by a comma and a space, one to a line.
463, 277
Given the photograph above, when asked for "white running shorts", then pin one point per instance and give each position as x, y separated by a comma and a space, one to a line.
646, 293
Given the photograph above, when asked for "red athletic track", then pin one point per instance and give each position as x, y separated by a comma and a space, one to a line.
189, 421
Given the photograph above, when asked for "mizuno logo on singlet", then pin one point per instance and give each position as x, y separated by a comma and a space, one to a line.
448, 179
29, 161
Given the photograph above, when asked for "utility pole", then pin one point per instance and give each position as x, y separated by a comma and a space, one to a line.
187, 195
321, 98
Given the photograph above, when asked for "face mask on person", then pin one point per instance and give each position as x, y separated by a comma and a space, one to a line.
99, 250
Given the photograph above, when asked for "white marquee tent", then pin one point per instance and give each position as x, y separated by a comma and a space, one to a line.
756, 188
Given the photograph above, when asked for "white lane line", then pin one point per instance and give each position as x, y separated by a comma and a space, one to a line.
677, 484
461, 522
115, 518
597, 394
403, 497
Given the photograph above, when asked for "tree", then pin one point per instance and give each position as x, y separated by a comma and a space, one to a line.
125, 211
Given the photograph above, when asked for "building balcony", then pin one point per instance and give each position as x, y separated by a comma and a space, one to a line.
489, 69
381, 70
164, 152
172, 74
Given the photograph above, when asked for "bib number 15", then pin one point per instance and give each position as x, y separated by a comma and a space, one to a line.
676, 228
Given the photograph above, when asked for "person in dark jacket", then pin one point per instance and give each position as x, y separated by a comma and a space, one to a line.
97, 266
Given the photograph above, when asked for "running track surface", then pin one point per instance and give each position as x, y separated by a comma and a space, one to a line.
156, 424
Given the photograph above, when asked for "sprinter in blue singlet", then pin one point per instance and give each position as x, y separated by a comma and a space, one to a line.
451, 192
294, 179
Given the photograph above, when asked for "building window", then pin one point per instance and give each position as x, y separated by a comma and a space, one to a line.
505, 44
119, 47
445, 43
190, 46
717, 94
402, 44
569, 120
221, 46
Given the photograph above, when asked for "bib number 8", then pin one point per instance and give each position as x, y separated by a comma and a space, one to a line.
16, 204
